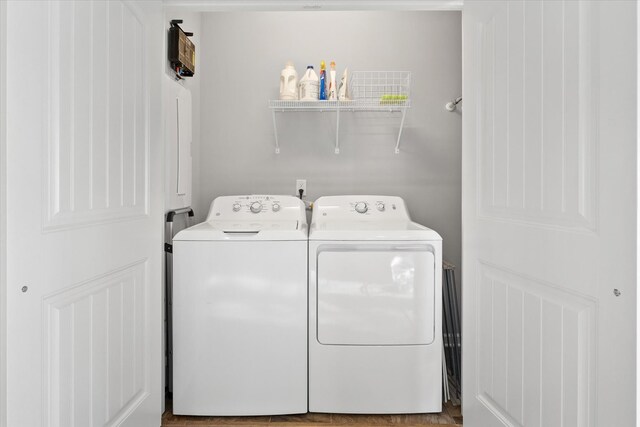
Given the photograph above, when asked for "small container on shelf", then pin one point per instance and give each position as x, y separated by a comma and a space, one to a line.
323, 82
289, 82
309, 85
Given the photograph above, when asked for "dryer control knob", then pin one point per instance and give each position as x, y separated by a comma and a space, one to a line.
256, 207
361, 207
237, 207
380, 206
275, 207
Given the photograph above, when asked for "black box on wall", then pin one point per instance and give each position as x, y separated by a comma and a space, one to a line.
182, 52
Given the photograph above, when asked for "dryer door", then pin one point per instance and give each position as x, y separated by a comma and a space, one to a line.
375, 294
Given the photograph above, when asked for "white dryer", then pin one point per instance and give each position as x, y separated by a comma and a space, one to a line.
240, 309
375, 343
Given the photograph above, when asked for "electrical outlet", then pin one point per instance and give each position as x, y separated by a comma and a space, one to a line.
301, 184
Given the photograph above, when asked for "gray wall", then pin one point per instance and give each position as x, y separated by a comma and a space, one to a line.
240, 61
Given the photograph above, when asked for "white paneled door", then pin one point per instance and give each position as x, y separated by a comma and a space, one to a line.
549, 213
84, 178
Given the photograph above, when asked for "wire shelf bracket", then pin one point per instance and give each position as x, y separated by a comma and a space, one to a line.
404, 114
275, 131
337, 149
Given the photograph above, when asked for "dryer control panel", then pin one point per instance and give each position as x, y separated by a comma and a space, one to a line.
354, 208
257, 207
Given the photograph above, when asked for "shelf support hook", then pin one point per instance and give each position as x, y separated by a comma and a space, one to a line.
275, 130
337, 150
404, 113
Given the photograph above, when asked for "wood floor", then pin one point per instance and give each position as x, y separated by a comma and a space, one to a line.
450, 417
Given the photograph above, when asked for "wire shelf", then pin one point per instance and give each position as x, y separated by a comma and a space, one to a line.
383, 91
389, 105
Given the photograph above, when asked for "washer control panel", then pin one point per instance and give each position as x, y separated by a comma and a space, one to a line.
360, 208
263, 207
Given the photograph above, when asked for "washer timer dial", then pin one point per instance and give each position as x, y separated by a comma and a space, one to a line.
255, 207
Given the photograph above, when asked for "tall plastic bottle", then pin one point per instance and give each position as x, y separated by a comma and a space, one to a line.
323, 81
309, 85
289, 82
343, 90
333, 93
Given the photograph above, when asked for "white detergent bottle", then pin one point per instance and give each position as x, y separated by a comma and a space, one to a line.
289, 83
309, 85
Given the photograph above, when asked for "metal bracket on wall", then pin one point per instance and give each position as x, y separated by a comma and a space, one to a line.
404, 113
337, 149
275, 131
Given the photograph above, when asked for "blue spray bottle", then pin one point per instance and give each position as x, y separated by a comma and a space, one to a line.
323, 81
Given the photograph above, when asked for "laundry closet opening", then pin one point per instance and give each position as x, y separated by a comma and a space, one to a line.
239, 57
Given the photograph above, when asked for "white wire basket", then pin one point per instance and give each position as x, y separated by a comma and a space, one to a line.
381, 88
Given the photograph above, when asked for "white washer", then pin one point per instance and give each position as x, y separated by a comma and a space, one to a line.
240, 309
375, 304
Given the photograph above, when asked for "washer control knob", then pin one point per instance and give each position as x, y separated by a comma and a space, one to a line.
275, 207
380, 206
236, 207
255, 207
361, 207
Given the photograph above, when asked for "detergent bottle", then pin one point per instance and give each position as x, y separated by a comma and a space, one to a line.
333, 93
309, 85
323, 81
289, 82
343, 90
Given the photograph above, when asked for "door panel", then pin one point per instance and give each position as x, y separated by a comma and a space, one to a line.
533, 344
373, 378
96, 153
95, 334
537, 106
376, 295
84, 213
549, 213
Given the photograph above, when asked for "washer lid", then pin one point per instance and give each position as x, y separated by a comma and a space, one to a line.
245, 230
252, 217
